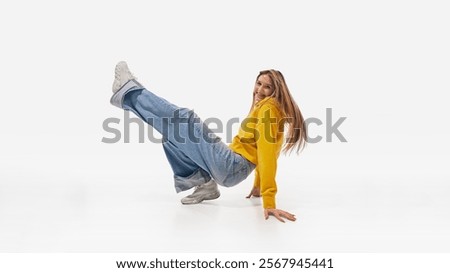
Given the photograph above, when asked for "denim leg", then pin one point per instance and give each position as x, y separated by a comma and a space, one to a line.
187, 173
193, 151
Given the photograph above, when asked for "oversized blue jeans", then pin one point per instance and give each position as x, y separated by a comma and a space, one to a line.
195, 154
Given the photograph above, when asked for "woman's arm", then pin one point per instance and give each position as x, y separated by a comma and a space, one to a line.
269, 141
268, 146
256, 185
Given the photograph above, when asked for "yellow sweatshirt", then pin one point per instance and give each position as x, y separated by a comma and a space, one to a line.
259, 140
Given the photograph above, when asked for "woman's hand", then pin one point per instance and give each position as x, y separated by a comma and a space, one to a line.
254, 192
279, 214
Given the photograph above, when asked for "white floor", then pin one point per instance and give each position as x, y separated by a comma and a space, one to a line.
92, 204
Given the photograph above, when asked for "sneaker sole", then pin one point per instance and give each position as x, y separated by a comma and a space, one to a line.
197, 201
120, 66
122, 74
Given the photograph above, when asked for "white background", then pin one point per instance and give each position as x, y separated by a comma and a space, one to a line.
382, 64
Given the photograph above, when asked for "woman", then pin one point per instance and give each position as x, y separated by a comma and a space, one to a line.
200, 159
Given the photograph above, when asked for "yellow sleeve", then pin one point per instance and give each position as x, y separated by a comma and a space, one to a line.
256, 182
268, 143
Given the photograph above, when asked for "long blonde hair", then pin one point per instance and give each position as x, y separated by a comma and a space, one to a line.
296, 134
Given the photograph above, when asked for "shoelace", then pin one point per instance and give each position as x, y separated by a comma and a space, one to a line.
198, 187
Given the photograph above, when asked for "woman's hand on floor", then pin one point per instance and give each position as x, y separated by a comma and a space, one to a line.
279, 214
254, 192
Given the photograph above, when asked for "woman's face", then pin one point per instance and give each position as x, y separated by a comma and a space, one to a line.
263, 88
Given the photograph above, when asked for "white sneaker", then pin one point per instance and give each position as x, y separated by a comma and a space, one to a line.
207, 191
122, 76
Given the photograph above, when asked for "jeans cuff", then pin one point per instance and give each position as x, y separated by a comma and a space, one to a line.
196, 179
117, 98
